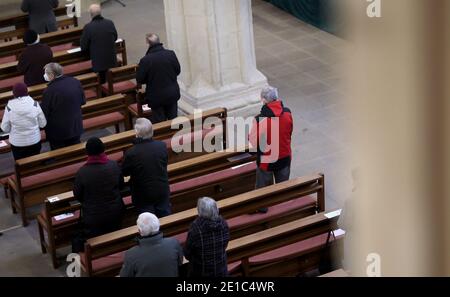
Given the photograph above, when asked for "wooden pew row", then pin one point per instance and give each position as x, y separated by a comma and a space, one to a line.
109, 248
61, 213
20, 20
34, 178
89, 81
97, 114
19, 24
68, 36
75, 62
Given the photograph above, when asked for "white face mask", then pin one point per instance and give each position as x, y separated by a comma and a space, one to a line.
46, 78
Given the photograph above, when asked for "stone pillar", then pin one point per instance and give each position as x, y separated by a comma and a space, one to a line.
213, 40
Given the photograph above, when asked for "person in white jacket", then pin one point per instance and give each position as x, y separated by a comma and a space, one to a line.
23, 119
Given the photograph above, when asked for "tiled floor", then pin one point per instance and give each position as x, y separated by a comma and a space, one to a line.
302, 61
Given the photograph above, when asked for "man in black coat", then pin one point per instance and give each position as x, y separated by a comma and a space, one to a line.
33, 59
98, 39
97, 186
146, 164
158, 70
61, 104
41, 16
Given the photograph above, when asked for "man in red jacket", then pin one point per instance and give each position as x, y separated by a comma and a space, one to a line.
271, 134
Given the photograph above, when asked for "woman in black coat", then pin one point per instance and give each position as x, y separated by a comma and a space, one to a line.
97, 186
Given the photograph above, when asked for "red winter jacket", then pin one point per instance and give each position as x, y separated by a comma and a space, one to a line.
271, 134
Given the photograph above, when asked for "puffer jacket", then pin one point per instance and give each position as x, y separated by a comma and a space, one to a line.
22, 119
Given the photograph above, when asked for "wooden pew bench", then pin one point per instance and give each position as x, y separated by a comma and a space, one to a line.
97, 114
221, 184
33, 180
90, 83
104, 254
59, 40
14, 27
74, 63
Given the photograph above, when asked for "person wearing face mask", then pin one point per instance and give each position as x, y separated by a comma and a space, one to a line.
33, 59
61, 103
23, 119
159, 70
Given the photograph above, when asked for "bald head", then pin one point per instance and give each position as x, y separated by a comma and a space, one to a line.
95, 10
152, 39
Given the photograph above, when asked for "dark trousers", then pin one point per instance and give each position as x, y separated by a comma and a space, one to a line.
159, 209
20, 152
266, 178
57, 144
164, 113
102, 76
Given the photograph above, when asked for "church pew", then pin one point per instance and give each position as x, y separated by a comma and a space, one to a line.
89, 81
97, 114
104, 254
288, 249
34, 176
74, 61
55, 231
52, 39
18, 33
19, 22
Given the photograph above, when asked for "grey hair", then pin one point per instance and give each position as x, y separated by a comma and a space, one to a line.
152, 38
143, 128
148, 224
269, 94
207, 208
54, 68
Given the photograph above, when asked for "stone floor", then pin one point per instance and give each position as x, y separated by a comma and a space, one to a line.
302, 61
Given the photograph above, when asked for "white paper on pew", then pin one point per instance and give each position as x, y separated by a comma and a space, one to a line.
74, 50
339, 232
119, 40
333, 214
239, 166
239, 157
53, 199
63, 216
146, 108
3, 143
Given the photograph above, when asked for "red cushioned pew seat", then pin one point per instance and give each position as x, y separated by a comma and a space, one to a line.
32, 181
81, 67
107, 262
103, 120
7, 59
90, 94
120, 87
8, 83
62, 47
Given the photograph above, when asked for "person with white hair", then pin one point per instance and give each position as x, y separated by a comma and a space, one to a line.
98, 40
207, 241
146, 164
271, 135
61, 104
154, 256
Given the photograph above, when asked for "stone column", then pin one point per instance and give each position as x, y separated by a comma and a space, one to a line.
213, 40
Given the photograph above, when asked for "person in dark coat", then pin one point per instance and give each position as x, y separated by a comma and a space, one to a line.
99, 39
41, 16
146, 164
33, 59
61, 103
154, 256
158, 70
97, 187
207, 241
